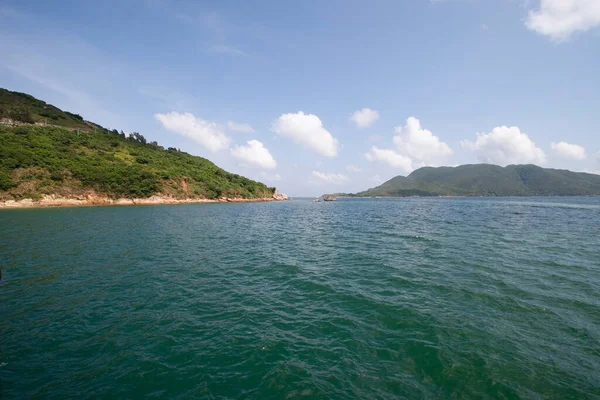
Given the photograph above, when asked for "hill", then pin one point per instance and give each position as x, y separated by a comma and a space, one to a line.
24, 108
488, 180
73, 158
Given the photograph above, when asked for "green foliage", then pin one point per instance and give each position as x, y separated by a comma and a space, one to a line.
489, 180
137, 137
6, 183
75, 116
112, 165
73, 155
21, 114
25, 108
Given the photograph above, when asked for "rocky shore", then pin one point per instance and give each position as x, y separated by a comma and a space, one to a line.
97, 200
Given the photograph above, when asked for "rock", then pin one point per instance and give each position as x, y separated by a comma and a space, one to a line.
278, 196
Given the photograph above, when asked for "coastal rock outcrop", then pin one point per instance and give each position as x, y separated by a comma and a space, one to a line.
93, 199
279, 196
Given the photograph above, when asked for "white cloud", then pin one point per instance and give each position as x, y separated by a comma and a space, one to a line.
255, 153
569, 151
389, 157
206, 133
352, 168
415, 147
558, 19
307, 130
365, 117
420, 144
505, 146
242, 128
336, 179
376, 178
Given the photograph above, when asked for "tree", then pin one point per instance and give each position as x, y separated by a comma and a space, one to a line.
137, 137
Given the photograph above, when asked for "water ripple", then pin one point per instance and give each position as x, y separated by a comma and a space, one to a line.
363, 298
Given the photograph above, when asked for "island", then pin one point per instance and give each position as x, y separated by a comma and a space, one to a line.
50, 157
486, 180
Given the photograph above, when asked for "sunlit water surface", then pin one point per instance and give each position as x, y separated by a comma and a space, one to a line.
362, 298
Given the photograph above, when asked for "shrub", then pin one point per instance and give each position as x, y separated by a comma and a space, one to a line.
21, 115
76, 116
90, 159
6, 183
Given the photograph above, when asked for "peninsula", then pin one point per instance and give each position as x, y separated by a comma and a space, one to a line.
50, 157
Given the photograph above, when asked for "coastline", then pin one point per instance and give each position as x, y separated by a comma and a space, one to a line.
92, 200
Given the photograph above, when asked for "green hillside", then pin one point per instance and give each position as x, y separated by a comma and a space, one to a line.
24, 108
488, 180
60, 160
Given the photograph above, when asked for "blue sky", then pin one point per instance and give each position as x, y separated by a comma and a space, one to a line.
322, 96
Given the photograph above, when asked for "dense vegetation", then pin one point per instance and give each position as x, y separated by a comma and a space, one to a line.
24, 108
68, 161
488, 180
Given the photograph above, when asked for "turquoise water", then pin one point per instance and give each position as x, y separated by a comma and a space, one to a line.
359, 298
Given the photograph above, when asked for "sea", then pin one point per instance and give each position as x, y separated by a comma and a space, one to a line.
409, 298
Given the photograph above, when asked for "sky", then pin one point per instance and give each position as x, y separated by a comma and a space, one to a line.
322, 96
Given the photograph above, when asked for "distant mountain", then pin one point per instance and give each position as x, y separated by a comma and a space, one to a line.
488, 180
45, 151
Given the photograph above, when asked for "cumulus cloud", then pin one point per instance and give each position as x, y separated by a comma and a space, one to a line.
389, 157
376, 178
206, 133
558, 19
352, 168
307, 130
504, 146
569, 151
336, 179
420, 144
415, 147
365, 117
242, 128
255, 153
